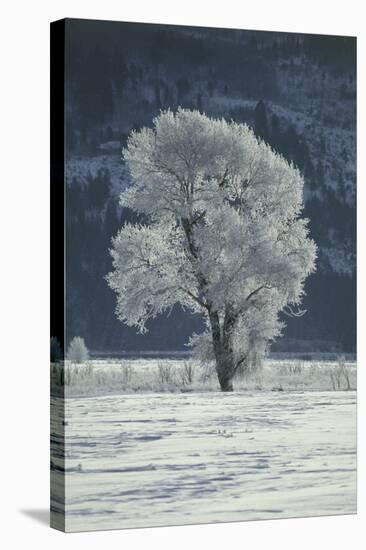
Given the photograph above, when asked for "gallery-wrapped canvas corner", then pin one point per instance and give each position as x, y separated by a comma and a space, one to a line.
203, 311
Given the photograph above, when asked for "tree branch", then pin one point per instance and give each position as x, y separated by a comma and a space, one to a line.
240, 362
223, 180
194, 297
287, 310
268, 287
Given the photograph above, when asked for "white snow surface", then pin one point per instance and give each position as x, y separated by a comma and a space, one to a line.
165, 459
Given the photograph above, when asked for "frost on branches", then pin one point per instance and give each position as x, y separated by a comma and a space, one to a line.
222, 234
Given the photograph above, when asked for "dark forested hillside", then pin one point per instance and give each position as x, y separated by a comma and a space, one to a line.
298, 92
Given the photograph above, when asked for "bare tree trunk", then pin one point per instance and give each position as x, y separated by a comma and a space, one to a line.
225, 375
225, 366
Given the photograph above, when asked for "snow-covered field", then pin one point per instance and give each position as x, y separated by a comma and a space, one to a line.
138, 460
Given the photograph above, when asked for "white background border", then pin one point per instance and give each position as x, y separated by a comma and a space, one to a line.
24, 271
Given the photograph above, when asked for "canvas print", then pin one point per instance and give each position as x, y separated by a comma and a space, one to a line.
203, 312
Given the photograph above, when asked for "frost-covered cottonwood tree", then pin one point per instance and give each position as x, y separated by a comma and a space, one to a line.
221, 234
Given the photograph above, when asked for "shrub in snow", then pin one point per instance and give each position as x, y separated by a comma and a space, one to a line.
77, 352
165, 373
186, 373
340, 373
